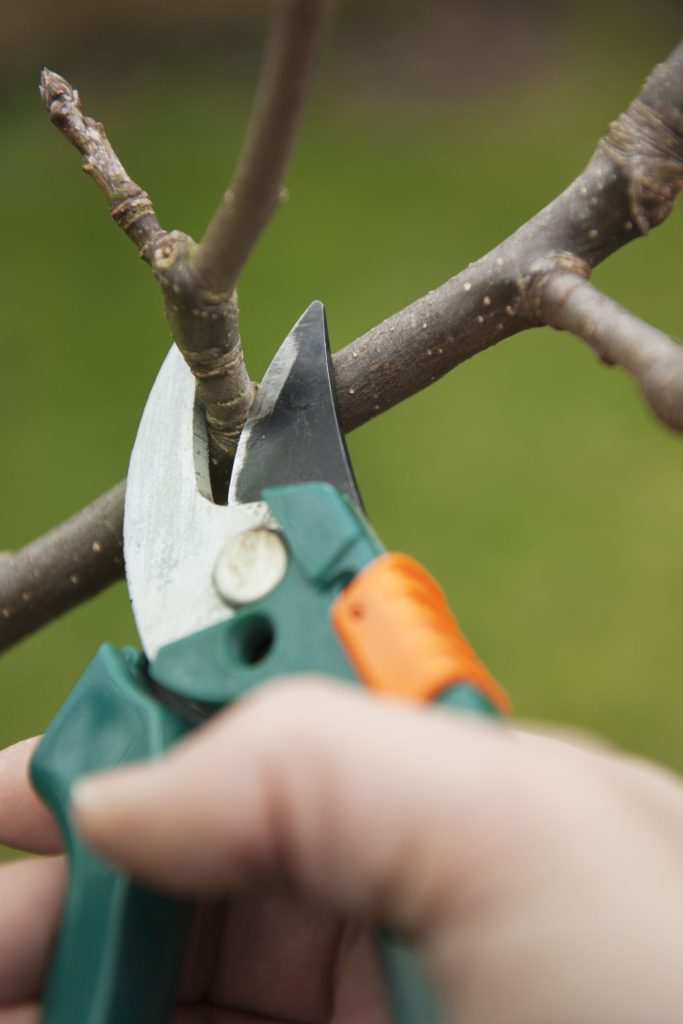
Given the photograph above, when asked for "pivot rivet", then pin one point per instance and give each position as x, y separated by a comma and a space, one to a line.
250, 566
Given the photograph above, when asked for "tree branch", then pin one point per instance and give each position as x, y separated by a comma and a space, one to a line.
536, 276
571, 303
69, 564
129, 205
629, 186
197, 281
256, 188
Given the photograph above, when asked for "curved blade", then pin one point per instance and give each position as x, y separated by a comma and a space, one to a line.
292, 433
172, 531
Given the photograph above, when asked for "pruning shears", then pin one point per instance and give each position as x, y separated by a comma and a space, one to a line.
287, 577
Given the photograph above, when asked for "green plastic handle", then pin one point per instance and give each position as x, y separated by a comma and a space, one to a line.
120, 946
411, 1000
328, 543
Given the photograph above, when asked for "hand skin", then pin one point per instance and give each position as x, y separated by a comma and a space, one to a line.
541, 880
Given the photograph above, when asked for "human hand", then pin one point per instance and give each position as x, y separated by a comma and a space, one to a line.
541, 881
268, 959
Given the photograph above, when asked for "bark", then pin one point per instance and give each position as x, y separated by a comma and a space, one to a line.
572, 303
539, 275
68, 565
628, 187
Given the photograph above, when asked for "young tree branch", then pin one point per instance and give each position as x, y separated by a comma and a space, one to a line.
571, 303
537, 276
629, 186
198, 281
69, 564
256, 188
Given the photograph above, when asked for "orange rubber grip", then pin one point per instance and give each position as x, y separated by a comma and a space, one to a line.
402, 638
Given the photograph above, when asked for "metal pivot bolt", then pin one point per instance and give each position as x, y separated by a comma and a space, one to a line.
250, 566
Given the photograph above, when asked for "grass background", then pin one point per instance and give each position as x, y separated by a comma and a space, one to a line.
532, 481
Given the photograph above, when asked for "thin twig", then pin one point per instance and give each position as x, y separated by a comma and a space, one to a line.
204, 326
129, 205
256, 188
198, 281
571, 303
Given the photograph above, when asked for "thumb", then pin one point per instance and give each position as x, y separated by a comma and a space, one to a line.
538, 882
369, 807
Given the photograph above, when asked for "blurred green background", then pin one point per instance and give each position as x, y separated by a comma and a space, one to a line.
532, 481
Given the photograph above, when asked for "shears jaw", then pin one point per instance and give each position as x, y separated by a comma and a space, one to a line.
292, 434
173, 533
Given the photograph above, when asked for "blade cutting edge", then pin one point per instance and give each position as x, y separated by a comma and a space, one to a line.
293, 433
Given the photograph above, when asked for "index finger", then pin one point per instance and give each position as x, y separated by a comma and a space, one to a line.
25, 822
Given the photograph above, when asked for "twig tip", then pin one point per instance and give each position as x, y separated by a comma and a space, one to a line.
53, 87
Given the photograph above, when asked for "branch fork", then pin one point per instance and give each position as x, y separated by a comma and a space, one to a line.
539, 275
198, 280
